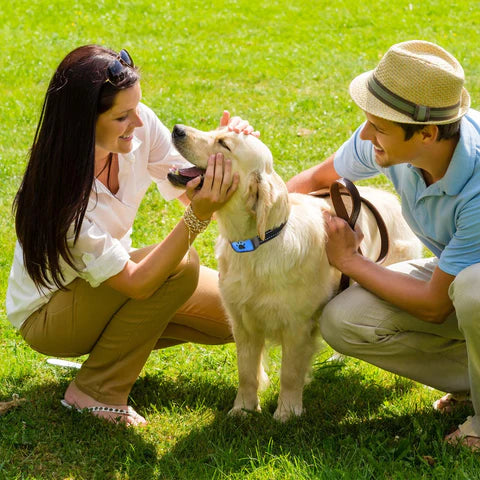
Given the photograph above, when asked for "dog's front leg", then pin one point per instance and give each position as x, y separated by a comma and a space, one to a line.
250, 370
297, 352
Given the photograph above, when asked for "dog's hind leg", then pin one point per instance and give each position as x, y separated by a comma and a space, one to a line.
250, 370
297, 352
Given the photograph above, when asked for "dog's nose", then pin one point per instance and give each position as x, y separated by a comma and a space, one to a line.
178, 131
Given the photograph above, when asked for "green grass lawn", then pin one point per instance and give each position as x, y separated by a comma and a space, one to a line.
285, 66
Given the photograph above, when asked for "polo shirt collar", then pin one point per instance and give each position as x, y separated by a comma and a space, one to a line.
462, 164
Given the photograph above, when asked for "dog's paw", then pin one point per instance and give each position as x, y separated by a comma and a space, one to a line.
243, 412
237, 412
283, 414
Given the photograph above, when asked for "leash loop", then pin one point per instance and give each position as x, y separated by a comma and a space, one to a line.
343, 187
339, 206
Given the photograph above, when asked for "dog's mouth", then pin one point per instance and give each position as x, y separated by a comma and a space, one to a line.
181, 176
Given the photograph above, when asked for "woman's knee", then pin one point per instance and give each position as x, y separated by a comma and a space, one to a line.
186, 275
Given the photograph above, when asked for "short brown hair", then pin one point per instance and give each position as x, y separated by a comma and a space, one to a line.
445, 131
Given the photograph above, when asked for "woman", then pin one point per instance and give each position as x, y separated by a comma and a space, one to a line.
76, 285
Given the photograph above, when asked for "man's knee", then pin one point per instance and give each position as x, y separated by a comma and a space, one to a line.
331, 326
354, 320
464, 294
338, 321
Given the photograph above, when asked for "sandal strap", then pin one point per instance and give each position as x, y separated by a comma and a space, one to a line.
120, 411
130, 411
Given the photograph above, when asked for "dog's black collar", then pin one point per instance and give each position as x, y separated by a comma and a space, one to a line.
253, 243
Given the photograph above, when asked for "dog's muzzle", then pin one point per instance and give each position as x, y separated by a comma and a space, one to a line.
180, 177
179, 131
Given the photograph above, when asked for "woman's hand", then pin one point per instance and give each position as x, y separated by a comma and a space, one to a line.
219, 184
343, 242
237, 125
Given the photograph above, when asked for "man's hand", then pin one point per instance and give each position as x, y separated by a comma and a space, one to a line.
343, 242
427, 300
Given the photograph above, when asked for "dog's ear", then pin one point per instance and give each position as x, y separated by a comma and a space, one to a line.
260, 199
252, 191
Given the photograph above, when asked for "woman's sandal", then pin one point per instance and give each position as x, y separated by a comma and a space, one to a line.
130, 412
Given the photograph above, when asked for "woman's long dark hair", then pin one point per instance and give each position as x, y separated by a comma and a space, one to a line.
56, 186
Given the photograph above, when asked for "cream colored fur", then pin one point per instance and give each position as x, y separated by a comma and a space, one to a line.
277, 292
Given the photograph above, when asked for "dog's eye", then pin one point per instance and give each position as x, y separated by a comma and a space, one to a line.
222, 142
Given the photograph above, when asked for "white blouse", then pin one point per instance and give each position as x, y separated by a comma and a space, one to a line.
103, 245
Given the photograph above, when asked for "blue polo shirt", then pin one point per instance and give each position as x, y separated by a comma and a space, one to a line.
445, 215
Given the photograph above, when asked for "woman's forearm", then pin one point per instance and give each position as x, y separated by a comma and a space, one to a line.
141, 279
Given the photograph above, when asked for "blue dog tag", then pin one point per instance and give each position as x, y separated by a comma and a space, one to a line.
243, 246
253, 243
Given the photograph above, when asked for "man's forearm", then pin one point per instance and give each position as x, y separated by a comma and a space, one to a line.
315, 178
415, 296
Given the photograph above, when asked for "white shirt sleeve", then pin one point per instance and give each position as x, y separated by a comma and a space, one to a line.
97, 254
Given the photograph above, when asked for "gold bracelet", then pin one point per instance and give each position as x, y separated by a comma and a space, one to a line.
194, 225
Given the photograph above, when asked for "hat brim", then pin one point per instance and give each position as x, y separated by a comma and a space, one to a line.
362, 96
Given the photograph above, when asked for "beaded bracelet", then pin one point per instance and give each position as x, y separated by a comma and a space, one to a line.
194, 224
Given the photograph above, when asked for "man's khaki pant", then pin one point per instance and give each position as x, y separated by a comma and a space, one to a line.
119, 333
445, 356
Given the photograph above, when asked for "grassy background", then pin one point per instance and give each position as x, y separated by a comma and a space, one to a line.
285, 66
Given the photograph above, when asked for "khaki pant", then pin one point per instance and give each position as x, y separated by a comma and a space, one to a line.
119, 333
445, 356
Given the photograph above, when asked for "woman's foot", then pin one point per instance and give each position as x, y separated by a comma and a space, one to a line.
468, 441
75, 398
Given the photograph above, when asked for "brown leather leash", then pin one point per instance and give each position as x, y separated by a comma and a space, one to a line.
344, 187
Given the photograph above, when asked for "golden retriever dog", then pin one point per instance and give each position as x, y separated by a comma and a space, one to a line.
276, 290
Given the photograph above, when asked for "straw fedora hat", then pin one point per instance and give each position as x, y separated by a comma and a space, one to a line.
415, 82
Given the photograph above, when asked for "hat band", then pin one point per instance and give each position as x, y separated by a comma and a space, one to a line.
419, 113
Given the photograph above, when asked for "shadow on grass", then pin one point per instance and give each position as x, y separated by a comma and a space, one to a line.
345, 428
42, 439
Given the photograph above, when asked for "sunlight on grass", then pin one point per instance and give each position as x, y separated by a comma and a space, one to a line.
286, 67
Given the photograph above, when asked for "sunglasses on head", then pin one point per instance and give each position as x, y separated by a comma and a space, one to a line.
116, 70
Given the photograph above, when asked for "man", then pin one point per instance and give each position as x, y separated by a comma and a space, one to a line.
419, 319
